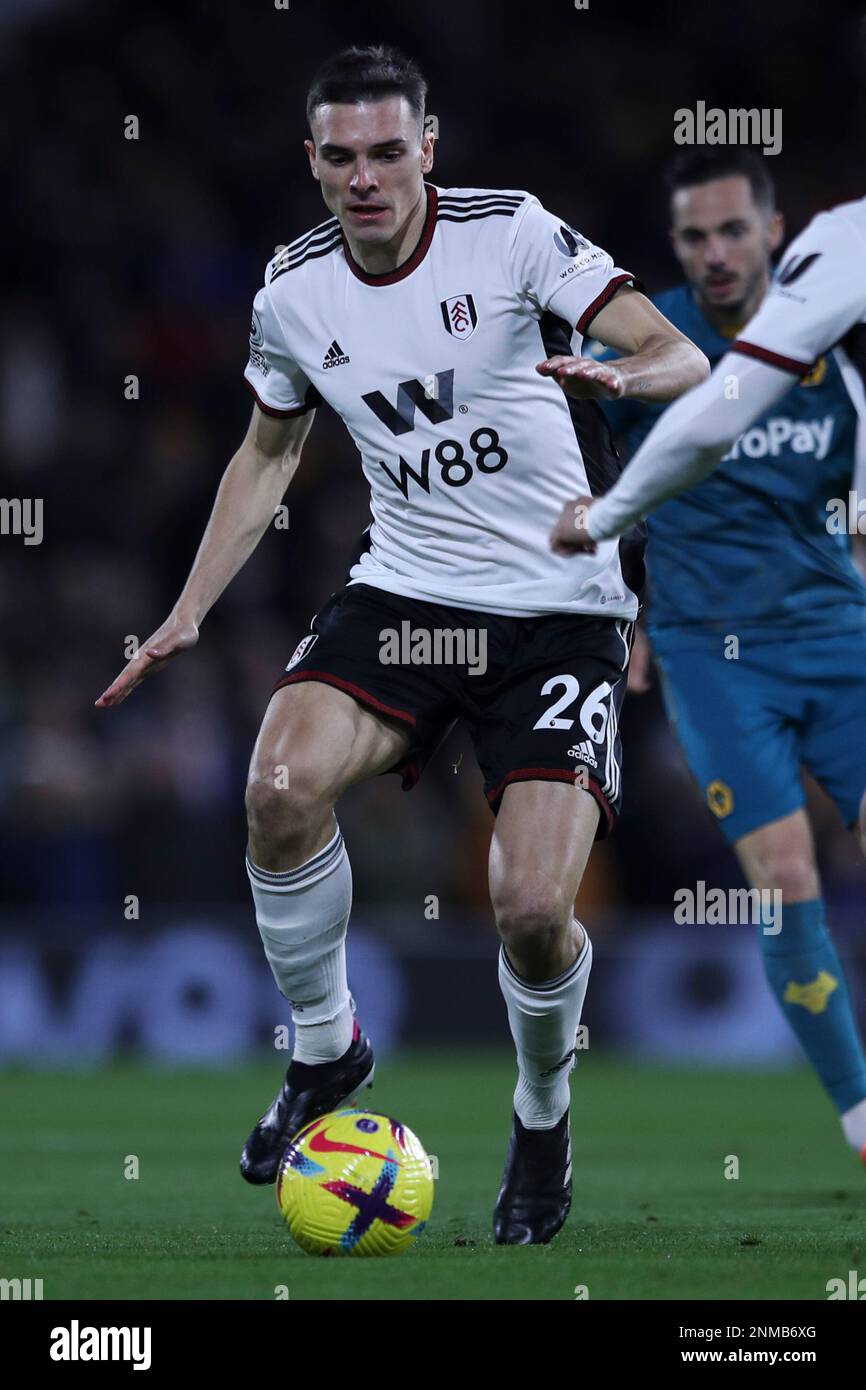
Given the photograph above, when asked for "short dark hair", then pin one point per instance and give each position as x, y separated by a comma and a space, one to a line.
368, 74
702, 166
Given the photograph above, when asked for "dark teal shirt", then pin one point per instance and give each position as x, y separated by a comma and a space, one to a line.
748, 550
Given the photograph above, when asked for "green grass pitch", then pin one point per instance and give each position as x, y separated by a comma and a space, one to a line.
653, 1215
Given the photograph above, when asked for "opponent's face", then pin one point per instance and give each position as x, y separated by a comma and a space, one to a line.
723, 240
370, 159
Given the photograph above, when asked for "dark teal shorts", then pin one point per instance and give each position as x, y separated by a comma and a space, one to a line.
748, 725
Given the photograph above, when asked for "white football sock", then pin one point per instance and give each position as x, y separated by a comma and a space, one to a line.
544, 1020
854, 1125
302, 916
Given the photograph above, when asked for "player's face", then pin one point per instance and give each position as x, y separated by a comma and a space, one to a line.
370, 159
723, 240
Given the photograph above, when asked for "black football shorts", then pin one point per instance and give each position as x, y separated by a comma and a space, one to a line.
541, 696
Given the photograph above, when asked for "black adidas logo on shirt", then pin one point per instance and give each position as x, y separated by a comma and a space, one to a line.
335, 356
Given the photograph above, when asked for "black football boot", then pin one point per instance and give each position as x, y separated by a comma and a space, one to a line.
535, 1196
307, 1092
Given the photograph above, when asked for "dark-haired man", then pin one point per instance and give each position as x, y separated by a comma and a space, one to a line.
420, 314
758, 612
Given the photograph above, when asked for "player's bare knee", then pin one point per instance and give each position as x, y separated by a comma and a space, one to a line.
792, 873
532, 921
781, 857
284, 809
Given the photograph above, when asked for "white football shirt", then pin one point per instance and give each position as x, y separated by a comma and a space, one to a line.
817, 301
817, 296
470, 454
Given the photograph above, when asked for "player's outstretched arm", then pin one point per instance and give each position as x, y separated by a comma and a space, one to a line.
778, 346
658, 362
252, 487
680, 451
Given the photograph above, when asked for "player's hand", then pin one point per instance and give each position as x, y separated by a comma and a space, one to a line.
175, 635
569, 536
640, 664
584, 378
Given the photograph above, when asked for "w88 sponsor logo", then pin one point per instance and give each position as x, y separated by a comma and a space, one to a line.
456, 470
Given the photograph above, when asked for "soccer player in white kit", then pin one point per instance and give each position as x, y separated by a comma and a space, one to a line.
442, 325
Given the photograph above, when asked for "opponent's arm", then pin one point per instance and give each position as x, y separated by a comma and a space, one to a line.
251, 488
680, 451
777, 347
658, 362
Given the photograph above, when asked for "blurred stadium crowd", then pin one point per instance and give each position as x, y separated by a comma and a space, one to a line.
141, 257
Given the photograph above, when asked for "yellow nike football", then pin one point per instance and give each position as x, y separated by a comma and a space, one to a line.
355, 1183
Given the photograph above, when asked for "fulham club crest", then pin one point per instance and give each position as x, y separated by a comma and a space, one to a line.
459, 315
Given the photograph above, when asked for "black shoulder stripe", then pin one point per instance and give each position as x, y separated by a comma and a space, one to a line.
325, 239
473, 193
475, 216
480, 200
488, 207
312, 254
300, 242
311, 244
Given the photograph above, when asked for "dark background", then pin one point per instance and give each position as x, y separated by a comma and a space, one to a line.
142, 257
